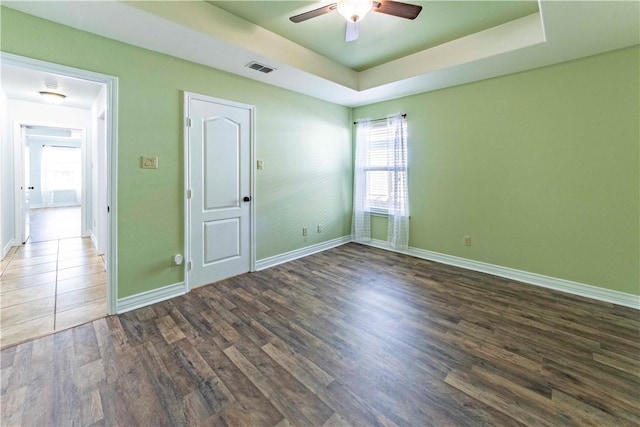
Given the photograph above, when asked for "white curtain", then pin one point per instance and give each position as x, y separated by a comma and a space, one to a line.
398, 232
361, 217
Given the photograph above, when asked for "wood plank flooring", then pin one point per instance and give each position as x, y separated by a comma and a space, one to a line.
351, 336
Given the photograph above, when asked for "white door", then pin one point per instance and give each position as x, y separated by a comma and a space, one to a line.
25, 186
218, 144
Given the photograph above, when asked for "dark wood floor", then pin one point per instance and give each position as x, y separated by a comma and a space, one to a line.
351, 336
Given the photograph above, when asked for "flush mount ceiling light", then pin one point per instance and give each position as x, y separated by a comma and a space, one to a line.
354, 10
52, 97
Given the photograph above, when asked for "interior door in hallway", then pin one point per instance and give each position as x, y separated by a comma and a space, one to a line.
25, 186
219, 231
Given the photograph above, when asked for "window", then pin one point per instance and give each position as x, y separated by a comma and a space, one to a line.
381, 180
380, 169
61, 170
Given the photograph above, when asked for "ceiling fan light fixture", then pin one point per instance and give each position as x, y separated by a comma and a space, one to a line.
354, 10
52, 97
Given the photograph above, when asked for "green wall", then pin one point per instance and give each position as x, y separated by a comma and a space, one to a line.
305, 144
540, 168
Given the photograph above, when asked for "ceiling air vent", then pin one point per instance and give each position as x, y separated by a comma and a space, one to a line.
260, 67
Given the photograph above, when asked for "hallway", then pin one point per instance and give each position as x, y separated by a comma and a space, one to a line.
50, 286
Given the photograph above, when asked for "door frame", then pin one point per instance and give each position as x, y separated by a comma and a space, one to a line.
111, 83
188, 96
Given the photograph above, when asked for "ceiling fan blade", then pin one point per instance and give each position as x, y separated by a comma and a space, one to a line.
396, 8
353, 31
313, 13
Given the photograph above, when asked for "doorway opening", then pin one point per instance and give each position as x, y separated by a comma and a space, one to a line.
53, 176
61, 251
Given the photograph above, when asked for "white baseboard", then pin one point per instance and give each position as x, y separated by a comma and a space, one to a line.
7, 248
581, 289
149, 297
94, 239
615, 297
299, 253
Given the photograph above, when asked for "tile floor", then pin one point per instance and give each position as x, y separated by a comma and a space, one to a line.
50, 286
54, 223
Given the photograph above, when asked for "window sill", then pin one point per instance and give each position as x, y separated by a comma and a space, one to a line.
378, 213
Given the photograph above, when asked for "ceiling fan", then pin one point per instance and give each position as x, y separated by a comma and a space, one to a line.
355, 10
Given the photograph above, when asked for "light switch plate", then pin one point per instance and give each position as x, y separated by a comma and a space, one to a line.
149, 162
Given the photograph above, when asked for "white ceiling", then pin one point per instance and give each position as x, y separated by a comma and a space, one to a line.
25, 84
200, 32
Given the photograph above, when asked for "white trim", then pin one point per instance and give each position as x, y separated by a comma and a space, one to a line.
7, 248
153, 296
252, 190
111, 124
562, 285
186, 108
94, 240
111, 254
299, 253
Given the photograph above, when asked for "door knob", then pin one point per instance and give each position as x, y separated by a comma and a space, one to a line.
247, 198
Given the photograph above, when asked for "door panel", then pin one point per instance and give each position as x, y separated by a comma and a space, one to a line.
225, 230
219, 232
222, 151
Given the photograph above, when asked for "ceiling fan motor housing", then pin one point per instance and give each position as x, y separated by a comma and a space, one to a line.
354, 10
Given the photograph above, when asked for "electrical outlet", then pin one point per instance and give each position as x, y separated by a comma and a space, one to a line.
319, 228
304, 231
467, 240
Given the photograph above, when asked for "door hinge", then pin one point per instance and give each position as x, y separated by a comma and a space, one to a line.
189, 266
188, 194
188, 121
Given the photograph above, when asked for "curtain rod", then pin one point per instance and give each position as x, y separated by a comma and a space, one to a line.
384, 118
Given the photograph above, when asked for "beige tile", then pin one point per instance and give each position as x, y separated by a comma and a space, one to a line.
38, 246
12, 273
73, 250
7, 259
12, 335
73, 299
27, 289
81, 315
66, 285
75, 241
26, 262
86, 239
78, 262
23, 253
20, 313
27, 281
20, 296
85, 270
76, 254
